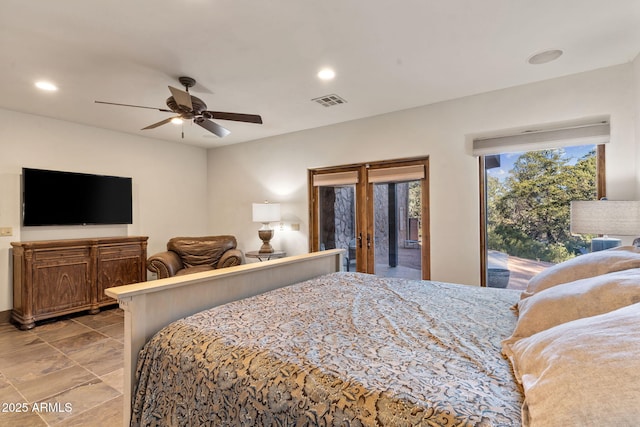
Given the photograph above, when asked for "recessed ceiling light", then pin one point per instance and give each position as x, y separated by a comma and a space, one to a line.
326, 74
545, 56
176, 121
48, 86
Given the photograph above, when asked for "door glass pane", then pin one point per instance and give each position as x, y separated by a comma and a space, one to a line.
528, 198
337, 221
398, 229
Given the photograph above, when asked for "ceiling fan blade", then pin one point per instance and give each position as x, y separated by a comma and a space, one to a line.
160, 123
182, 98
212, 127
221, 115
136, 106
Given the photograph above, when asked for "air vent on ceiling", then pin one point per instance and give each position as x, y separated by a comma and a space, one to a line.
329, 100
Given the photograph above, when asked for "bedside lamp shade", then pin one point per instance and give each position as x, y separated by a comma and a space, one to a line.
265, 213
605, 217
619, 218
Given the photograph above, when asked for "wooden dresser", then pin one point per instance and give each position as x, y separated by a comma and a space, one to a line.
56, 277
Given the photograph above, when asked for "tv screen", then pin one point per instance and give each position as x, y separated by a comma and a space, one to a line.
68, 198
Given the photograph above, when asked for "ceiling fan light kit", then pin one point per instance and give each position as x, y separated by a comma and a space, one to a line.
189, 107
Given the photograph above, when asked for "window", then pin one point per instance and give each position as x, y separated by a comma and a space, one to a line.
526, 189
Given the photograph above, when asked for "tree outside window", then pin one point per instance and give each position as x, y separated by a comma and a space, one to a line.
528, 205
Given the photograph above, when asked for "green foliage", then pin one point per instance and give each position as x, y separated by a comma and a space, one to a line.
415, 199
528, 212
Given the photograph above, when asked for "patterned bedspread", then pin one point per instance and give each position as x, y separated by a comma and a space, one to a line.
346, 349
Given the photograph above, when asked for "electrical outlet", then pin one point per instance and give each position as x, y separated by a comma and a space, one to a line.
295, 227
6, 231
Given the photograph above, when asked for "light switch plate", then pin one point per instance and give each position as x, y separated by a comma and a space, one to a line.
6, 231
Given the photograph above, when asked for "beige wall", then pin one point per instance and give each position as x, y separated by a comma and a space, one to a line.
275, 168
169, 181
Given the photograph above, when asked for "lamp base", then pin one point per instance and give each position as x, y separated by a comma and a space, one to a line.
265, 236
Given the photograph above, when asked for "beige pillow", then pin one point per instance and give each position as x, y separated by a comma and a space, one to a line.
583, 266
584, 372
575, 300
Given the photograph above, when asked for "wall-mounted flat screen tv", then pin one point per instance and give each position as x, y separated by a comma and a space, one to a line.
69, 198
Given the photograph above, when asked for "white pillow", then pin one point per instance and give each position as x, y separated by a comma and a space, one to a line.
583, 266
584, 372
575, 300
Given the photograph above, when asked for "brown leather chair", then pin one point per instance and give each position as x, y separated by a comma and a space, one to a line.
185, 255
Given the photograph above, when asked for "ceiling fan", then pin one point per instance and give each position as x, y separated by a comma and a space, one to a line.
188, 107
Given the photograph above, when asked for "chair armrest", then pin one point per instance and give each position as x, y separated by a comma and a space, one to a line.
164, 264
230, 258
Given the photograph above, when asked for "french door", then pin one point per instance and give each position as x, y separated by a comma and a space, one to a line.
377, 212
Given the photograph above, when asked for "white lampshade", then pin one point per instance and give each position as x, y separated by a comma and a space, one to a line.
266, 212
617, 218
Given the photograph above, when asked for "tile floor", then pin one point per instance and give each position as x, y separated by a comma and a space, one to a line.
63, 373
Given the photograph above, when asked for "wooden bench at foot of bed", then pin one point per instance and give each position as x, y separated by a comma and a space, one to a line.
149, 306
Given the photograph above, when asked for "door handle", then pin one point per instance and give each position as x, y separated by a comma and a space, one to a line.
368, 241
360, 240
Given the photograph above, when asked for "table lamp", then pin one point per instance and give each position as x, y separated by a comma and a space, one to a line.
604, 217
266, 213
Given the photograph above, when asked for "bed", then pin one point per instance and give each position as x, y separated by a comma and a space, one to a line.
339, 348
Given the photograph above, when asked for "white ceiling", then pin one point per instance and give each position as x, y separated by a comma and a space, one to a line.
261, 57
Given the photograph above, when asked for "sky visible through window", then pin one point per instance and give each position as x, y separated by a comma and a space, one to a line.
508, 159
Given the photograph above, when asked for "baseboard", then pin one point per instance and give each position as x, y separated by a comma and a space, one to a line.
5, 316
